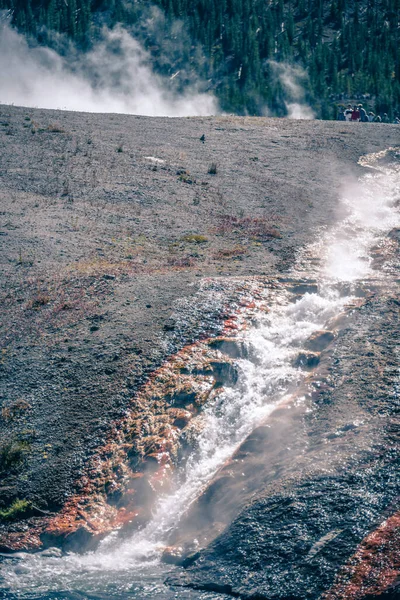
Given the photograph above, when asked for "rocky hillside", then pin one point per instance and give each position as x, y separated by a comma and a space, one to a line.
130, 247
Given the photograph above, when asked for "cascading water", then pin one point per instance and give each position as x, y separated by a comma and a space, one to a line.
340, 260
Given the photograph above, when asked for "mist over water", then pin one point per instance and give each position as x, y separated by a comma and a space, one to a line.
342, 255
292, 79
115, 76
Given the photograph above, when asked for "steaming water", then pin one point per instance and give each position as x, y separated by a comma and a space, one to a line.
340, 259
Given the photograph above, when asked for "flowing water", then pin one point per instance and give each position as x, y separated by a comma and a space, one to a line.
338, 264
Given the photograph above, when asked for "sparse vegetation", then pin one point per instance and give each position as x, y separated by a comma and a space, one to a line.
194, 238
255, 227
18, 509
24, 260
40, 300
234, 252
54, 128
185, 176
14, 410
181, 262
11, 454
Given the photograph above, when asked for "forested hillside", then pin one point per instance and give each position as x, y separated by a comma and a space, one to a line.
350, 49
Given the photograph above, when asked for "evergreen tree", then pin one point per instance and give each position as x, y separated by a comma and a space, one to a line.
347, 47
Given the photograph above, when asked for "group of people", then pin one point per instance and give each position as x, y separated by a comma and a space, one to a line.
358, 113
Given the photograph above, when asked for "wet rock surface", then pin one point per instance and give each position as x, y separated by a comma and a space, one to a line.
330, 484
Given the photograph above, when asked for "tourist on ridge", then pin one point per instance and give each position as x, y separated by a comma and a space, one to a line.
355, 115
371, 116
377, 119
385, 118
341, 115
363, 114
348, 112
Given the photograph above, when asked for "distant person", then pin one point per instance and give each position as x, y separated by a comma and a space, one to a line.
371, 116
341, 115
363, 114
396, 120
348, 112
385, 118
355, 115
377, 119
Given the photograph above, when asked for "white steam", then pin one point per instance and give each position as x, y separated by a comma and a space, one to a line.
115, 76
291, 79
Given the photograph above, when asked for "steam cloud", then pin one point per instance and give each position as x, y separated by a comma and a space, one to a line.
291, 79
115, 76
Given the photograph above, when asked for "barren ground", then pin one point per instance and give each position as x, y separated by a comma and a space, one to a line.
116, 232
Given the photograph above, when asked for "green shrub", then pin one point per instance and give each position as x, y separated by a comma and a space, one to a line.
195, 239
17, 509
11, 454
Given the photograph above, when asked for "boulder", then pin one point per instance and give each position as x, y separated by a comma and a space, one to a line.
307, 360
319, 340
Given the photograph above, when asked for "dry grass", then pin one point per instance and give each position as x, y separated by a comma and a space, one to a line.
11, 454
255, 227
15, 410
37, 302
194, 238
55, 128
234, 252
181, 262
17, 509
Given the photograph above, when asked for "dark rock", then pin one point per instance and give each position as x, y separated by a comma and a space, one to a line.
395, 234
169, 325
233, 348
307, 360
224, 373
320, 340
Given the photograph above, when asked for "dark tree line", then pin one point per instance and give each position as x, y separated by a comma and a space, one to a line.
350, 49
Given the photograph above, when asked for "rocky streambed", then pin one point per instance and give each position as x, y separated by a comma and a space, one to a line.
196, 360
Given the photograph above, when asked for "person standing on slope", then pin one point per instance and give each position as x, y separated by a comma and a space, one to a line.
363, 114
355, 115
341, 116
348, 112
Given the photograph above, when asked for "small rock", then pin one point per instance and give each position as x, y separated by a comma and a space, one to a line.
180, 555
319, 340
224, 373
307, 360
233, 348
169, 325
